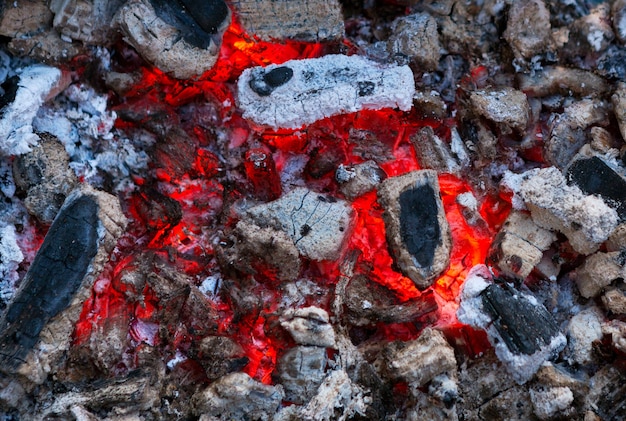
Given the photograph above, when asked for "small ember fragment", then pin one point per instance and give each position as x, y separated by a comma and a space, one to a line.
417, 230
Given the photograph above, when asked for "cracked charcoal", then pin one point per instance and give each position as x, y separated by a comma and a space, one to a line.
418, 223
524, 327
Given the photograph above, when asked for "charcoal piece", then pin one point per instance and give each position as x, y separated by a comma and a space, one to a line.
52, 280
9, 89
432, 152
419, 228
594, 176
606, 396
264, 83
209, 14
196, 20
524, 326
417, 231
359, 179
368, 303
300, 371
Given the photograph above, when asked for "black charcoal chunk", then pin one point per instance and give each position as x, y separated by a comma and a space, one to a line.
594, 176
209, 14
524, 327
419, 227
265, 83
9, 90
197, 21
52, 280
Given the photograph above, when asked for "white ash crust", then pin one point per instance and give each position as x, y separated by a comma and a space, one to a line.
318, 224
36, 84
587, 221
506, 106
10, 258
324, 87
549, 402
309, 326
582, 331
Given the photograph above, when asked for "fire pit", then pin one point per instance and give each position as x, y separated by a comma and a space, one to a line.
286, 210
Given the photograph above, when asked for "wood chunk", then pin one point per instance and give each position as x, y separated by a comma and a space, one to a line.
89, 21
309, 326
519, 246
528, 28
369, 303
614, 301
300, 371
415, 37
238, 396
36, 328
359, 179
23, 17
419, 361
418, 233
300, 92
583, 330
432, 152
585, 220
606, 395
175, 44
568, 131
307, 20
316, 223
599, 271
28, 91
556, 79
507, 107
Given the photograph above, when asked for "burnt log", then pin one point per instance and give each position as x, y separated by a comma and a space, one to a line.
40, 319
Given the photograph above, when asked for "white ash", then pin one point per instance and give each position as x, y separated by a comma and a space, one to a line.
309, 326
587, 221
548, 402
598, 272
583, 330
316, 223
322, 87
36, 84
10, 258
506, 106
81, 120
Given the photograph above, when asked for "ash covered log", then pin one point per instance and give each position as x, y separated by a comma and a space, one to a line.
519, 246
307, 20
418, 233
23, 96
36, 329
521, 330
182, 38
316, 223
585, 220
300, 92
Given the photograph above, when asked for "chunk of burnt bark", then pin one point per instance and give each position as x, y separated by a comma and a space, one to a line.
369, 303
58, 281
418, 233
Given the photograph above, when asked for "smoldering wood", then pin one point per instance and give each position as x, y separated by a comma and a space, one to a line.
432, 152
524, 327
417, 231
562, 80
359, 179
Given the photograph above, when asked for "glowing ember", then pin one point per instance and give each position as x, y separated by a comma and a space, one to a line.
174, 213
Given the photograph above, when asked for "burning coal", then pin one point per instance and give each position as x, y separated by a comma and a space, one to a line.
209, 215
